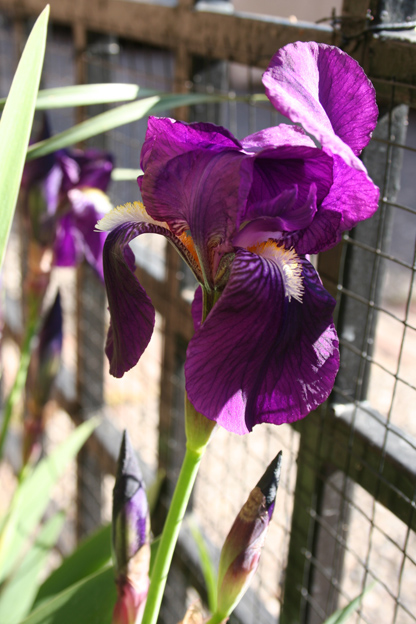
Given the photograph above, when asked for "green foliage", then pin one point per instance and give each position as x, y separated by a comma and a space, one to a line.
207, 566
86, 95
16, 124
91, 601
117, 117
16, 597
32, 497
342, 615
90, 556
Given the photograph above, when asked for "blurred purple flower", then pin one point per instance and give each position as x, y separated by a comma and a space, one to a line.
64, 195
244, 215
241, 552
131, 531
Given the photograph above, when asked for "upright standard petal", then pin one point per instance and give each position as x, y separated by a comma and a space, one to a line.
285, 168
204, 193
280, 360
327, 92
167, 138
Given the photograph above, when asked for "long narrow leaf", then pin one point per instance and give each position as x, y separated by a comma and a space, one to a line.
117, 117
86, 95
20, 380
16, 123
207, 566
90, 556
33, 495
90, 601
342, 615
17, 596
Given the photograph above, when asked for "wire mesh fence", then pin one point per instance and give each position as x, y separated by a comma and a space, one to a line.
346, 504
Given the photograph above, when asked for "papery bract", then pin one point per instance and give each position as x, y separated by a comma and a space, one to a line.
243, 215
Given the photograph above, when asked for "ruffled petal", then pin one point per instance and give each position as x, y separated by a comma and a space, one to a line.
353, 197
260, 357
283, 134
283, 169
353, 194
203, 192
327, 92
167, 138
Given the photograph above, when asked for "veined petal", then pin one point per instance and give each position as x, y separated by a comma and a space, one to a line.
352, 194
293, 218
167, 138
326, 91
284, 168
353, 197
283, 134
260, 357
132, 313
203, 192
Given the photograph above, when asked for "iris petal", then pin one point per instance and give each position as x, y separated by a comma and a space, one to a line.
282, 169
283, 134
353, 197
167, 138
132, 313
326, 91
202, 192
277, 363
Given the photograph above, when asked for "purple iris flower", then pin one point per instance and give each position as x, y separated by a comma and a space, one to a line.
64, 195
244, 215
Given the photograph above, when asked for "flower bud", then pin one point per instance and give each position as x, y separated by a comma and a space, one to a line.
43, 369
242, 548
131, 529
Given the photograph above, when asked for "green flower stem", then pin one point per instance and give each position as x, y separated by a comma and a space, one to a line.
198, 431
20, 380
170, 534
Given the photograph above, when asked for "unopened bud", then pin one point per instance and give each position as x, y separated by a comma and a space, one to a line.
43, 369
242, 548
131, 529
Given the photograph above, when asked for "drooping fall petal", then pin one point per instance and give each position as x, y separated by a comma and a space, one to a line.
132, 312
279, 361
